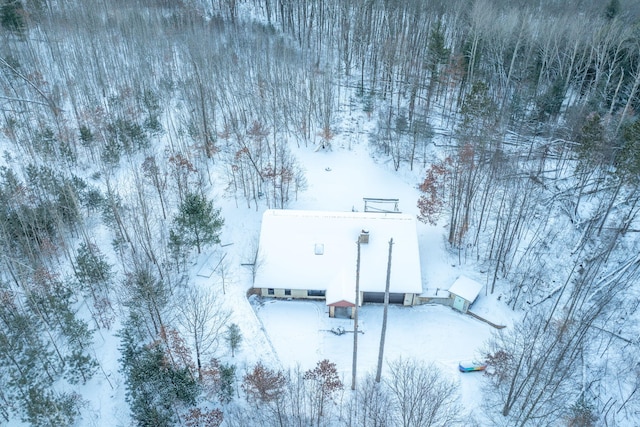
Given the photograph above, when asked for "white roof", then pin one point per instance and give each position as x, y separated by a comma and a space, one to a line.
341, 288
466, 288
290, 241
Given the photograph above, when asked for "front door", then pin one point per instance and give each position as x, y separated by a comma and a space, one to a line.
458, 303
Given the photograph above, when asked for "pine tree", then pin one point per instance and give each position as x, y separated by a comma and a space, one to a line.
154, 384
628, 157
479, 115
550, 102
11, 17
233, 337
147, 297
41, 343
593, 148
86, 136
94, 274
227, 378
198, 223
612, 9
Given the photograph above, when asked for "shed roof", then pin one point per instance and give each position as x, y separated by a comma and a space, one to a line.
466, 288
317, 250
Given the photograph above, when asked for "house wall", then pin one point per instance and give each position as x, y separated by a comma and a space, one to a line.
419, 300
408, 299
293, 293
465, 305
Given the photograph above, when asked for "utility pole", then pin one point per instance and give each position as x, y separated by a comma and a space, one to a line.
384, 315
355, 322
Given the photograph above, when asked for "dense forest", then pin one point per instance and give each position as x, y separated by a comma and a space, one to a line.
521, 118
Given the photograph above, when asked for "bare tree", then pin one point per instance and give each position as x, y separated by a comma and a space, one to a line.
370, 405
324, 384
158, 178
204, 317
419, 395
263, 384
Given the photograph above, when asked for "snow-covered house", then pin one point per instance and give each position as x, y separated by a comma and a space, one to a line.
464, 292
313, 254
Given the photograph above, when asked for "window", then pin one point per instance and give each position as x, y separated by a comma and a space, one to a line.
314, 293
287, 292
319, 249
270, 291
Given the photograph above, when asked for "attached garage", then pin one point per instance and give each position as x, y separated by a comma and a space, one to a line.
378, 297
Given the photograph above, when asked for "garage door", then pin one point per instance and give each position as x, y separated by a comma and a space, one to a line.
378, 297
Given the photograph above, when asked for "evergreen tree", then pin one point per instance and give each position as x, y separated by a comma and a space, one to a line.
93, 273
592, 148
91, 265
550, 102
155, 387
227, 378
612, 9
233, 337
438, 52
11, 16
41, 343
86, 136
128, 135
49, 408
197, 223
479, 116
147, 298
52, 301
628, 158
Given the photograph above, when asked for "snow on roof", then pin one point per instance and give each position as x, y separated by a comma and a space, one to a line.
341, 289
466, 288
317, 250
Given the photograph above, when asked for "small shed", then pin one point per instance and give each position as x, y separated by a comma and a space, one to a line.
464, 292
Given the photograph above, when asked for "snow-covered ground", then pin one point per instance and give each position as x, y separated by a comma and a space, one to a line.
287, 334
299, 333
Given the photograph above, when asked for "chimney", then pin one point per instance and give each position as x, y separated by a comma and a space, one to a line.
364, 237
